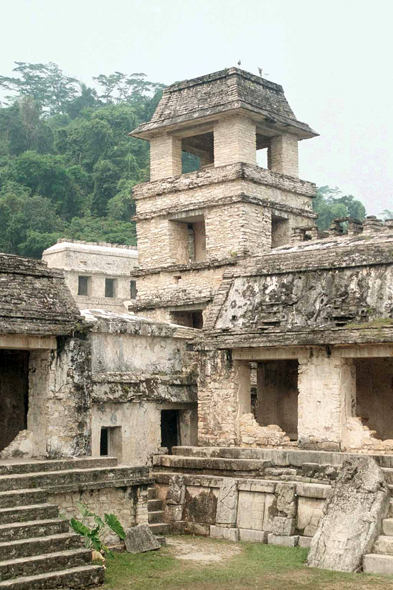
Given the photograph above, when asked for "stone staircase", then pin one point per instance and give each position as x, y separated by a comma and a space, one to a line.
37, 548
156, 514
380, 561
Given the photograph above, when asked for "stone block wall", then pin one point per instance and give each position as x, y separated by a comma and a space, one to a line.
283, 155
165, 157
128, 503
242, 509
234, 141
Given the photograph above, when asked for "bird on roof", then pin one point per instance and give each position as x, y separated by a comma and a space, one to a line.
239, 63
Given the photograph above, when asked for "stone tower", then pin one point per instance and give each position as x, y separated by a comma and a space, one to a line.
192, 227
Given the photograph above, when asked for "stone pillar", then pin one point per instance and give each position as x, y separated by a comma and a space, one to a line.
224, 396
327, 386
283, 155
165, 157
242, 383
235, 141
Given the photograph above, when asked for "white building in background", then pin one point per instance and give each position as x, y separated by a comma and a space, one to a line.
99, 275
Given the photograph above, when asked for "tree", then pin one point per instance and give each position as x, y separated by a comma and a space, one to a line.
330, 204
67, 163
45, 83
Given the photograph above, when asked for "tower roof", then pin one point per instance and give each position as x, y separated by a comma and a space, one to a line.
202, 99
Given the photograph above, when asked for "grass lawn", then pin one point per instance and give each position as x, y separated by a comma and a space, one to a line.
242, 566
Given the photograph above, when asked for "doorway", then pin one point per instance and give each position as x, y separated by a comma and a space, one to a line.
170, 429
14, 385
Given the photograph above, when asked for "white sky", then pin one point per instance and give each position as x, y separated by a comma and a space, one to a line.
333, 58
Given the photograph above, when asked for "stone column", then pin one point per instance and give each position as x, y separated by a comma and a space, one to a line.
235, 141
283, 155
165, 157
327, 386
242, 397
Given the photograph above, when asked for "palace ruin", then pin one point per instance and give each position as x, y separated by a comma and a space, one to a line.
214, 381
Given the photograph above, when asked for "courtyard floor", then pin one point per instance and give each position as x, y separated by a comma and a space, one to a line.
196, 563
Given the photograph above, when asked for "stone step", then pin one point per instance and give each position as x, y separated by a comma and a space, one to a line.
56, 479
27, 513
39, 564
39, 545
152, 505
217, 465
13, 468
161, 528
155, 517
378, 564
387, 526
16, 531
22, 498
278, 457
152, 493
383, 545
76, 578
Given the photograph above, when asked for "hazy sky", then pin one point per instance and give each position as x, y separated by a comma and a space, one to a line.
333, 58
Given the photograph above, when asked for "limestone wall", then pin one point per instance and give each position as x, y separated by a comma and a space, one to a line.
282, 513
129, 504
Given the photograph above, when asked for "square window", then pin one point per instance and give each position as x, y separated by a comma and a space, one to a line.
84, 286
110, 287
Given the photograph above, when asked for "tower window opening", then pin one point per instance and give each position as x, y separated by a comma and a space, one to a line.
198, 152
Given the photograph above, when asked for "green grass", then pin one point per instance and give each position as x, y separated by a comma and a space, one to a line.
257, 566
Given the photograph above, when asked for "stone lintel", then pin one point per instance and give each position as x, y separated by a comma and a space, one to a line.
25, 342
356, 351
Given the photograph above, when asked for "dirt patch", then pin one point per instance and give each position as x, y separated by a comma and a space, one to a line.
202, 550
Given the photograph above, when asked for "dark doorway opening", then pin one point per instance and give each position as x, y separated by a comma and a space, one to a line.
14, 386
169, 429
104, 442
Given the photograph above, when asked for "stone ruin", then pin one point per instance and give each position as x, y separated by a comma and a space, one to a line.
216, 380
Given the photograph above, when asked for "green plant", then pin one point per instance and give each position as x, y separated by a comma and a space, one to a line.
93, 535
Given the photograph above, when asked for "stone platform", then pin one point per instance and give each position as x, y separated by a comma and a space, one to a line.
276, 496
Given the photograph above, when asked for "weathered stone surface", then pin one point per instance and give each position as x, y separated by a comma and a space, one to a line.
252, 536
176, 491
200, 505
352, 518
227, 502
140, 539
283, 526
283, 540
227, 533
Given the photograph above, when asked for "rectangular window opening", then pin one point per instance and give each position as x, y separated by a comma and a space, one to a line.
84, 286
191, 319
280, 231
197, 152
189, 239
110, 287
133, 290
263, 147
